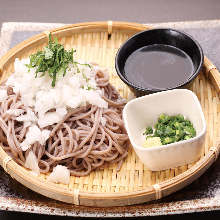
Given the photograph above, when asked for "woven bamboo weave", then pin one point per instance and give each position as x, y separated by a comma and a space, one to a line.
98, 42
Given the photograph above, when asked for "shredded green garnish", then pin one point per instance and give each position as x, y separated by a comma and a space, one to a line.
53, 60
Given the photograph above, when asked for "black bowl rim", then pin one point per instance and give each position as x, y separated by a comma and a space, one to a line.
138, 88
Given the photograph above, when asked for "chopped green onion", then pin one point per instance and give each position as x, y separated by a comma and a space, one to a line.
171, 129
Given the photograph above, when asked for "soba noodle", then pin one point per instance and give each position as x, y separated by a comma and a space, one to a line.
87, 138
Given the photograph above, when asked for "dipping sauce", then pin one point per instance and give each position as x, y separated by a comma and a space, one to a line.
158, 66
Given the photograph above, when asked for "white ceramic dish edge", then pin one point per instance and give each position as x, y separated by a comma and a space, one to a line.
171, 155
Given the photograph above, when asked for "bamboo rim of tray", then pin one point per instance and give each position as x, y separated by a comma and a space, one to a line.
79, 197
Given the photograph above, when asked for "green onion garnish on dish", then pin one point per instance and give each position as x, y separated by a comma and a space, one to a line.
171, 129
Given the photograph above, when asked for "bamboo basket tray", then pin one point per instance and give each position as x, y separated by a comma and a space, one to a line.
134, 183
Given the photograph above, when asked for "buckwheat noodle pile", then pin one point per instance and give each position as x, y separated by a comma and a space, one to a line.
87, 138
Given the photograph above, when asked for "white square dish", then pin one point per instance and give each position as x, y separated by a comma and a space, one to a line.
142, 112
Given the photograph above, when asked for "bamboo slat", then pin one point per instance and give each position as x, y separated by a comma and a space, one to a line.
98, 42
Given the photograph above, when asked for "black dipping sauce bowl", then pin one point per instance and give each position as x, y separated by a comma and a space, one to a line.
159, 59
